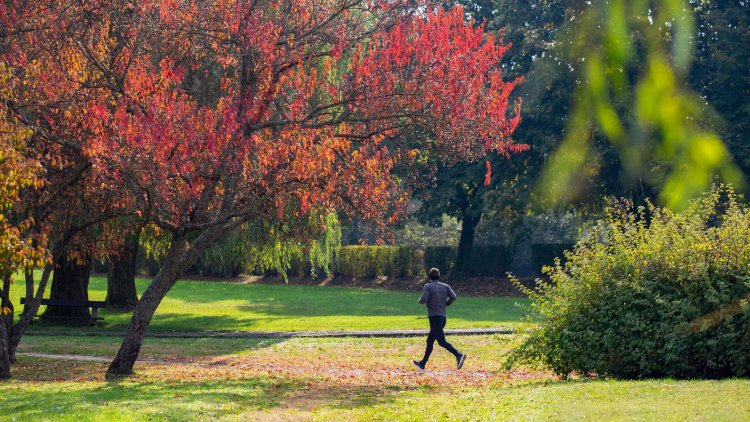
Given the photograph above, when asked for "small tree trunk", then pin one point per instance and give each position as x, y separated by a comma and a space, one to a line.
69, 282
121, 293
14, 332
521, 264
6, 322
469, 224
5, 355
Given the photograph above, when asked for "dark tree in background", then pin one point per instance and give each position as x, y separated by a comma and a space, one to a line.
721, 71
457, 191
70, 281
460, 190
121, 269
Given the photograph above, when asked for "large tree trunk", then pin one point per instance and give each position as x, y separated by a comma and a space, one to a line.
69, 282
174, 265
180, 257
469, 223
121, 294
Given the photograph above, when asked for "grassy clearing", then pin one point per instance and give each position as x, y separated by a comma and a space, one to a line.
273, 399
337, 379
212, 305
328, 378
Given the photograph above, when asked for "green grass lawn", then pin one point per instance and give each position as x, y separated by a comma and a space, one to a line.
357, 379
213, 305
273, 399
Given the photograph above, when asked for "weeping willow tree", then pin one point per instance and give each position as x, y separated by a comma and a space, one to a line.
310, 243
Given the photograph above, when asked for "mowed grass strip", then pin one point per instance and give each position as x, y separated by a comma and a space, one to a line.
214, 305
65, 391
356, 379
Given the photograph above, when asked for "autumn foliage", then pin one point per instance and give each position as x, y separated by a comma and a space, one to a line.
198, 117
18, 250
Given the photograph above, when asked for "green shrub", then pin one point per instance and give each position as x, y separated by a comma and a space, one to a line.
659, 294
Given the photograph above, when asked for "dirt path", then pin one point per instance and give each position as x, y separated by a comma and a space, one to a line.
82, 358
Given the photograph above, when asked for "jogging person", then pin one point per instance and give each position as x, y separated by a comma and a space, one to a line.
437, 296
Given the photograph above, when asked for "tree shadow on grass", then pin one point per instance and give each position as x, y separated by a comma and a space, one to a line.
143, 400
190, 322
233, 306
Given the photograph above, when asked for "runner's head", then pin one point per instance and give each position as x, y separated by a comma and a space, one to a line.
434, 274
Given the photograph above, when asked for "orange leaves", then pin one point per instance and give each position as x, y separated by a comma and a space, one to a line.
19, 169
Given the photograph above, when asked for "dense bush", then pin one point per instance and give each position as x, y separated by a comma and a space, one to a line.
653, 294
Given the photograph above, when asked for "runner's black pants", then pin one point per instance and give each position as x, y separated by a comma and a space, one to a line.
437, 323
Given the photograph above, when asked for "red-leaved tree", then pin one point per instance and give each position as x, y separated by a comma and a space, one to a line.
204, 116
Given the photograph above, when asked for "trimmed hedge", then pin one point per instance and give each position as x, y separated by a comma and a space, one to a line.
376, 261
442, 257
405, 261
402, 261
489, 261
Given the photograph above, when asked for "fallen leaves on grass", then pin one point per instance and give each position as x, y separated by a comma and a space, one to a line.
322, 374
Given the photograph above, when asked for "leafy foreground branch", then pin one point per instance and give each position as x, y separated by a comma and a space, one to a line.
653, 294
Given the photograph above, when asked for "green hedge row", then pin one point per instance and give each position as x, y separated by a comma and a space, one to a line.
400, 261
482, 261
377, 261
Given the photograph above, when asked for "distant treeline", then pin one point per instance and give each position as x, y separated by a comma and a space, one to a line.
377, 261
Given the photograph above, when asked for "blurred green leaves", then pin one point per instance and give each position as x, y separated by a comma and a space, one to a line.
632, 58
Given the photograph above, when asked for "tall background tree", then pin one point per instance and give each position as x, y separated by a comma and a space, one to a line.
721, 71
531, 30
